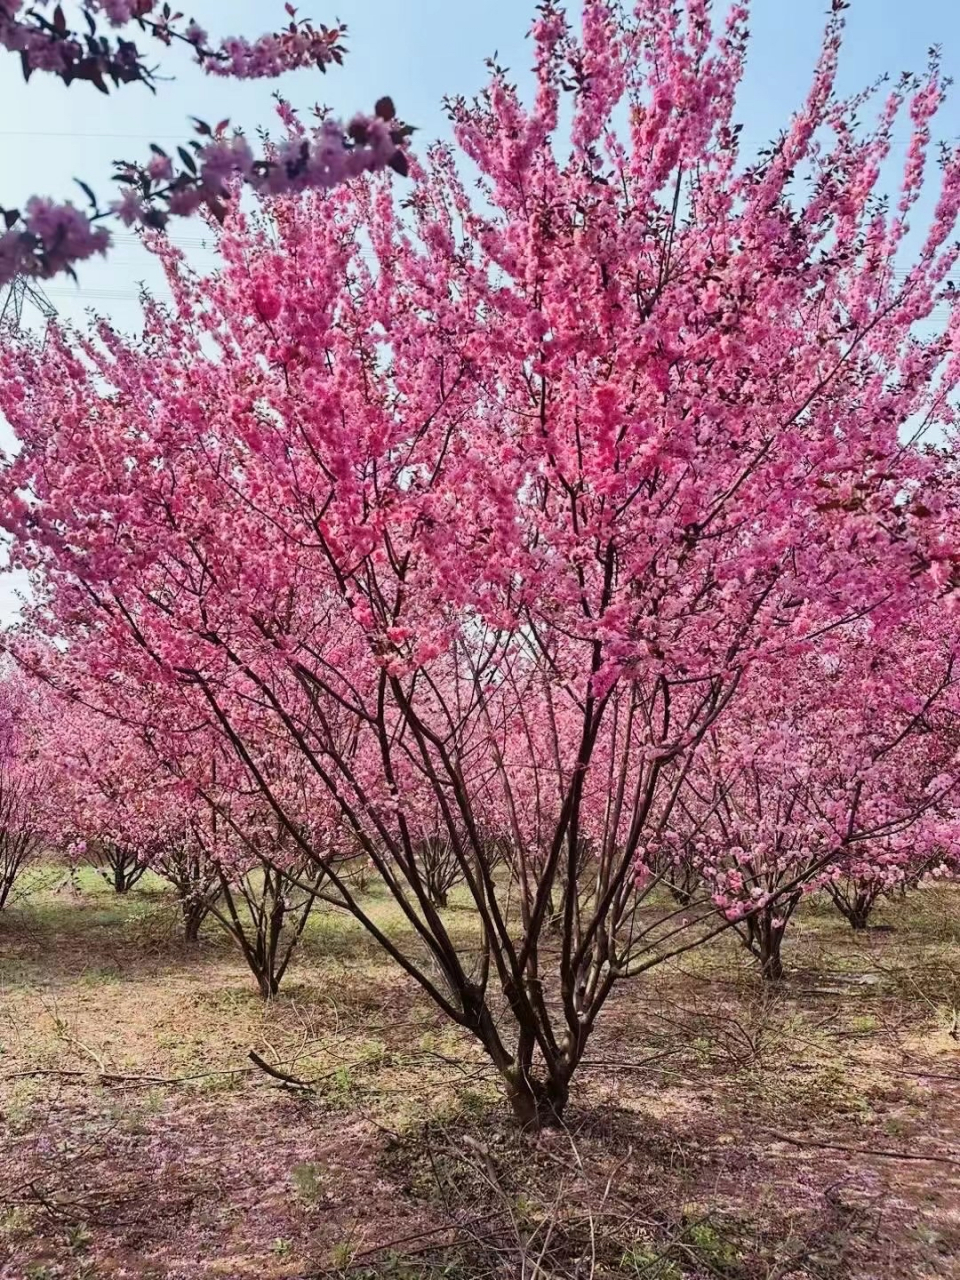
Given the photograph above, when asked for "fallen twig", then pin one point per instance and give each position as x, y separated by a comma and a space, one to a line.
364, 1257
859, 1151
290, 1081
115, 1078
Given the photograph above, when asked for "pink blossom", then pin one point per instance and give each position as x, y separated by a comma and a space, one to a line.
129, 208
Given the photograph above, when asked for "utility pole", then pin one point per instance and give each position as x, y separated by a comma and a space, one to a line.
21, 290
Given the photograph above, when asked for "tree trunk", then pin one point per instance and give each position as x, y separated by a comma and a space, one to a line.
771, 962
764, 939
194, 914
437, 895
855, 907
858, 911
119, 879
771, 939
267, 984
554, 916
537, 1104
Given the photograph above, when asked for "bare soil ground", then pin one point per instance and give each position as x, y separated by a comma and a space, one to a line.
719, 1129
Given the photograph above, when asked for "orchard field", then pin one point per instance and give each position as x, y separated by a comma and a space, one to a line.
480, 722
720, 1126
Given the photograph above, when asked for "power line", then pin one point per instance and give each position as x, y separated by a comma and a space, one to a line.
66, 133
130, 237
745, 139
97, 295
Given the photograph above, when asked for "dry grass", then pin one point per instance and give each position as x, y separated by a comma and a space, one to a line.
718, 1128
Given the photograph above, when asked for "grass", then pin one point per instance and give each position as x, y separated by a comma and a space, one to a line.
718, 1128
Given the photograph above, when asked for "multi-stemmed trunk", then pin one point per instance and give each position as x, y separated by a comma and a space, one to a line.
538, 1103
570, 917
120, 866
855, 902
762, 934
682, 881
193, 912
20, 841
437, 862
14, 856
194, 876
859, 914
265, 911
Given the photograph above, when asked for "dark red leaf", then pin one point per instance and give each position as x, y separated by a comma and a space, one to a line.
187, 158
87, 191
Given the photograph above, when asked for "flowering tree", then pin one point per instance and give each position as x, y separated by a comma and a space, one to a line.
838, 770
439, 867
102, 816
128, 804
489, 531
865, 876
47, 237
25, 798
267, 890
183, 863
262, 888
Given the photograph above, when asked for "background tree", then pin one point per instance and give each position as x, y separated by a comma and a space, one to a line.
25, 786
185, 864
264, 907
839, 771
106, 816
861, 880
120, 866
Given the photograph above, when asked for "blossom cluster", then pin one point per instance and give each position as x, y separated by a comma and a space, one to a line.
45, 40
48, 237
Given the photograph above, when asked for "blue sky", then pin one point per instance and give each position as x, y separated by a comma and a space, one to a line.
418, 51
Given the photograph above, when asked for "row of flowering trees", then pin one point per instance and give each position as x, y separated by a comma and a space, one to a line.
24, 810
838, 773
575, 536
844, 785
80, 788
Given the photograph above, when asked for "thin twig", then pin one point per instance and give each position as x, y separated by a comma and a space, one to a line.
860, 1151
290, 1081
